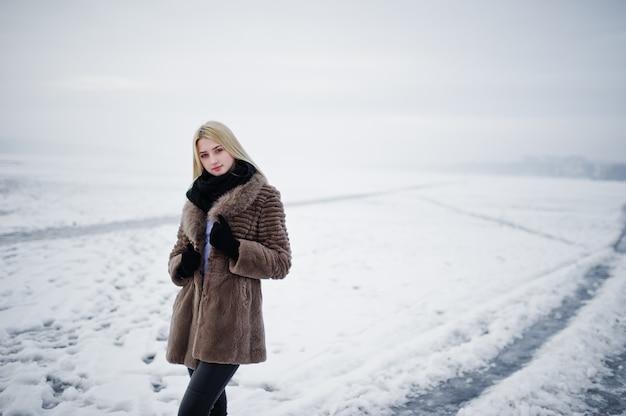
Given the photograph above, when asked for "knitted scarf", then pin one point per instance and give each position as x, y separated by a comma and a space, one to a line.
207, 189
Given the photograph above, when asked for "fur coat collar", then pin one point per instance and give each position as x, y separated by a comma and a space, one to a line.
229, 205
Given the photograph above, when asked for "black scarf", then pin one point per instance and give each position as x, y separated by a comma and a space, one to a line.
207, 189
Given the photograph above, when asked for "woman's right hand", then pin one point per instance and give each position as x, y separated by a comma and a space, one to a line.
189, 262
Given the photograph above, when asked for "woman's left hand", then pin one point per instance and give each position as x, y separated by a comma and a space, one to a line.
222, 238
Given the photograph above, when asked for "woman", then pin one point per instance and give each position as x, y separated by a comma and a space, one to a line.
232, 234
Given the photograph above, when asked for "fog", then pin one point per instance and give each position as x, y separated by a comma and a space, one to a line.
369, 83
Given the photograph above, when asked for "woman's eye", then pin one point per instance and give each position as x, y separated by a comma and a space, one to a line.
218, 150
203, 155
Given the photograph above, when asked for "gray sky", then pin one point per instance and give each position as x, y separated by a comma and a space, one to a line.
376, 82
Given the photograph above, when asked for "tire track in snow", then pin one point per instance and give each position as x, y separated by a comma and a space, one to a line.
502, 222
54, 233
451, 395
620, 244
347, 197
609, 398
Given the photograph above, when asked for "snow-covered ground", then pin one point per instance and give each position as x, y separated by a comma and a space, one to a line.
410, 294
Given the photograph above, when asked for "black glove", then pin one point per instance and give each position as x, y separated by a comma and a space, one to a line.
222, 238
189, 261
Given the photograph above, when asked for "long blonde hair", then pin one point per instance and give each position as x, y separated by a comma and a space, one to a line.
223, 136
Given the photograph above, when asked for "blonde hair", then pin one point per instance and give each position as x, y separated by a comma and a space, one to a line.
223, 136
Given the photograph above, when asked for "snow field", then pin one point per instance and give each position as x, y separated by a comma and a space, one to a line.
390, 294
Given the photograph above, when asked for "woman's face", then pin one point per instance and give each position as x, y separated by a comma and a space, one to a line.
214, 158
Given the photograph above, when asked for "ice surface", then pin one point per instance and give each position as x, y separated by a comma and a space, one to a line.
406, 287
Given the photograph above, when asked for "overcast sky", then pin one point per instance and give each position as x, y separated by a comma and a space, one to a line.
408, 82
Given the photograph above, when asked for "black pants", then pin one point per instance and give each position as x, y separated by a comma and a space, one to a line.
206, 391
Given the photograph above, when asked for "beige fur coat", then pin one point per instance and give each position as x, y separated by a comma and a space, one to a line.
217, 317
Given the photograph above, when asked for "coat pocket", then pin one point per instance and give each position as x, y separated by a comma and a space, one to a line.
182, 326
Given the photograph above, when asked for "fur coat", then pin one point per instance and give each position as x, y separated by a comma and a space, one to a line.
217, 317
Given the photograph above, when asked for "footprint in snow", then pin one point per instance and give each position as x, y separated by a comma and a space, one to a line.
157, 383
148, 357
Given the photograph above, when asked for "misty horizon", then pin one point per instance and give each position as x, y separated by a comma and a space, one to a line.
371, 83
